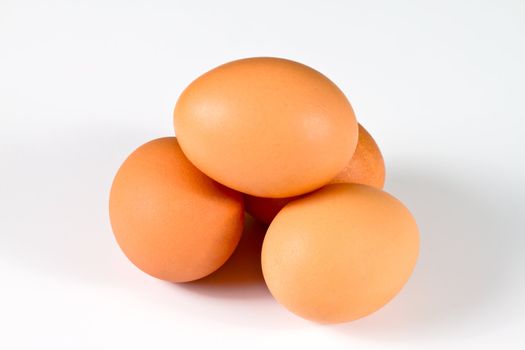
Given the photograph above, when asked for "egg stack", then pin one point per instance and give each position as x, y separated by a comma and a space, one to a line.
280, 140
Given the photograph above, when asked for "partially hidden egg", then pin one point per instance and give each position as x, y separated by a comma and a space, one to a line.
267, 127
366, 167
339, 253
172, 221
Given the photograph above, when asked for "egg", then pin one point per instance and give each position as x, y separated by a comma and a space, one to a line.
339, 253
268, 127
366, 167
172, 221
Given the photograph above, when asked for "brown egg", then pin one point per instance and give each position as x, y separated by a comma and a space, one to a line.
268, 127
339, 253
366, 167
171, 220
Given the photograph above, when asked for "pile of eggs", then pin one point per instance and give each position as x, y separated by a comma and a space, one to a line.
280, 140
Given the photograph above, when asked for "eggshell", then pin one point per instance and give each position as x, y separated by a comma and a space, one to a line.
366, 167
171, 220
339, 253
268, 127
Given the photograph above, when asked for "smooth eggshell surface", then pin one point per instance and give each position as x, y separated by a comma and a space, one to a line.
339, 253
268, 127
366, 167
171, 220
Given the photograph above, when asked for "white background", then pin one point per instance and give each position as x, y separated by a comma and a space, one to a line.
439, 84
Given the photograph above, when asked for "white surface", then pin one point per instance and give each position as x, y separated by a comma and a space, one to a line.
439, 84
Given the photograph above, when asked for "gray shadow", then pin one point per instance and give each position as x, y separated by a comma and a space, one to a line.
460, 283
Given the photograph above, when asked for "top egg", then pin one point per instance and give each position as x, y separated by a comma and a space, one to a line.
268, 127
